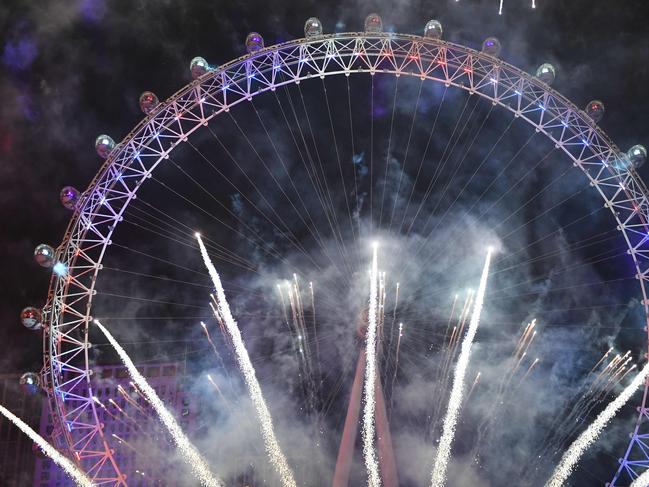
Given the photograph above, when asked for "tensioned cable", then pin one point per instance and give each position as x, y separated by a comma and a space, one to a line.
294, 241
313, 176
190, 232
351, 133
442, 161
340, 167
405, 157
511, 160
423, 158
228, 211
242, 264
194, 204
593, 260
345, 255
371, 186
387, 155
450, 181
549, 234
325, 201
252, 147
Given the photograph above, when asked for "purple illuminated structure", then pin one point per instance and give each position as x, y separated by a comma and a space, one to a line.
16, 455
141, 446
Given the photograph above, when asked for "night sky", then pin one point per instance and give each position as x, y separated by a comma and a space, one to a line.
70, 70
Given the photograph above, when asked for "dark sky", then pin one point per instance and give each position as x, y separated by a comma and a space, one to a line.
70, 70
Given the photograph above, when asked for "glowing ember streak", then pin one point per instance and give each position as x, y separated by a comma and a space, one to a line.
529, 371
475, 383
438, 477
369, 452
77, 475
588, 437
273, 449
601, 360
190, 454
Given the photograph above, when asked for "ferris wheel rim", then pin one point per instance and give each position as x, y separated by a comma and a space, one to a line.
473, 71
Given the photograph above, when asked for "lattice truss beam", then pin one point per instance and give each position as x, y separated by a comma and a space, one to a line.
68, 312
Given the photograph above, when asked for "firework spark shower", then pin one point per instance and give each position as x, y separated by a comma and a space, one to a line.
588, 437
189, 452
77, 475
369, 389
275, 454
440, 467
292, 141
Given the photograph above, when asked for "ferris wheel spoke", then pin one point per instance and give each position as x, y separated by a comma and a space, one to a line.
313, 226
174, 224
595, 259
549, 234
353, 157
277, 183
571, 247
340, 167
389, 148
172, 235
450, 182
452, 140
422, 160
312, 172
344, 253
405, 156
202, 210
476, 202
286, 231
601, 257
257, 238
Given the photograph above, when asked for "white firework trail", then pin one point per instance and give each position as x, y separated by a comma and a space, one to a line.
277, 458
438, 477
190, 454
642, 481
588, 437
369, 451
70, 468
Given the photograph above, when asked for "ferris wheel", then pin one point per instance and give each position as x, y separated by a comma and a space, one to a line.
171, 126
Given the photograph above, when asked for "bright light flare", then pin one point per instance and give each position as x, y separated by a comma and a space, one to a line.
438, 477
77, 475
590, 435
190, 454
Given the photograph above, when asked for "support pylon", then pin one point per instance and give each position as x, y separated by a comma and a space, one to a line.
387, 464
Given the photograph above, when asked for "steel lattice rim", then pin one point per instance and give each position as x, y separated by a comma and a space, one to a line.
87, 237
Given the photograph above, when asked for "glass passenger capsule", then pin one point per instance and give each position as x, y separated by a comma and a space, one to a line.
433, 29
637, 155
312, 28
491, 46
30, 382
104, 145
44, 255
546, 73
31, 318
373, 23
197, 67
69, 197
254, 42
595, 110
148, 102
